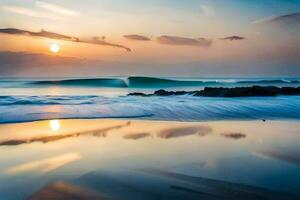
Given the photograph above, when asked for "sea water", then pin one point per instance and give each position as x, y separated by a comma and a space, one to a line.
48, 98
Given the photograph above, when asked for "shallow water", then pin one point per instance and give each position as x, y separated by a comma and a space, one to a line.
137, 159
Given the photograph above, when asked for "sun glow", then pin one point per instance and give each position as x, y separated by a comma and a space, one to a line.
54, 48
54, 125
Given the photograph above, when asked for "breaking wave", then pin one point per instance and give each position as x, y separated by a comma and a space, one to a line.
96, 82
154, 82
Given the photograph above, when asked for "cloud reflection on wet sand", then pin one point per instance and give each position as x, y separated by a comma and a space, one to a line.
150, 184
45, 165
281, 154
184, 131
64, 191
234, 136
45, 139
136, 136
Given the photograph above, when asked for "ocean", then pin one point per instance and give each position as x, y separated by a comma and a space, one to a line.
25, 99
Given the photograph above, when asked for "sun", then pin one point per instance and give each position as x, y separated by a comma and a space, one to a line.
54, 48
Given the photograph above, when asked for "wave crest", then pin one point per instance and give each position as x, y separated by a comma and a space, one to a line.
155, 82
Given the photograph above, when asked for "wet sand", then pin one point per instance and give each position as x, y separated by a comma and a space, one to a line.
135, 159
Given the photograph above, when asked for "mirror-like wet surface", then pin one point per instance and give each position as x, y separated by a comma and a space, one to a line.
119, 159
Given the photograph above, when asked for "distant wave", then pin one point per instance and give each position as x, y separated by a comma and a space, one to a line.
150, 82
131, 82
270, 81
155, 82
178, 108
96, 82
46, 100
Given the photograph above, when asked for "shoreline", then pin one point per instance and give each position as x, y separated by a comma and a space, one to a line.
155, 120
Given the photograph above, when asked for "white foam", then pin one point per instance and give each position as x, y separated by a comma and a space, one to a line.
181, 108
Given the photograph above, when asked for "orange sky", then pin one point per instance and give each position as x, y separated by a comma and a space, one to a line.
193, 30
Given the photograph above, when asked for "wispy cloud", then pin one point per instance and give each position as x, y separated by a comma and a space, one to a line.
42, 33
293, 18
183, 41
207, 11
263, 20
234, 37
56, 8
28, 12
137, 37
57, 36
97, 41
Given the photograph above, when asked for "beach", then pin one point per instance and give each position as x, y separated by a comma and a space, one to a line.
149, 100
146, 159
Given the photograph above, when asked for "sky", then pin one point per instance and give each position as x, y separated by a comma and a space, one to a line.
153, 38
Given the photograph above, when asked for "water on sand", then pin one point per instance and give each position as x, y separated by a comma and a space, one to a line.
118, 159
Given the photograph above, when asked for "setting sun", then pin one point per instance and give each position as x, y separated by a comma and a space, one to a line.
54, 48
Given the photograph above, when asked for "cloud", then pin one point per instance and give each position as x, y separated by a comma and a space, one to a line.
57, 9
29, 12
293, 18
234, 37
263, 20
57, 36
97, 41
137, 37
183, 41
42, 33
184, 131
207, 11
